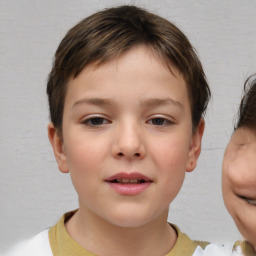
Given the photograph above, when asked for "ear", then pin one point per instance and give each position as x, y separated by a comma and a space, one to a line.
195, 146
58, 148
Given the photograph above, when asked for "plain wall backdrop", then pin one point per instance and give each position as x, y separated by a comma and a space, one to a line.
33, 193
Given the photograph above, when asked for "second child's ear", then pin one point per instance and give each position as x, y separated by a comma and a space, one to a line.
195, 147
58, 148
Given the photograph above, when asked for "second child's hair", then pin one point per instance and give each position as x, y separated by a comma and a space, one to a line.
106, 35
247, 109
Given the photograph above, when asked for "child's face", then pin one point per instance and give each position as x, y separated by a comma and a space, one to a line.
239, 181
127, 138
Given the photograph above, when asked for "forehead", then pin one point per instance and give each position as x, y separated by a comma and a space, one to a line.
139, 66
135, 55
242, 144
244, 135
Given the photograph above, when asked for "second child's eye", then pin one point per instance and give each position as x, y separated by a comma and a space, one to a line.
96, 121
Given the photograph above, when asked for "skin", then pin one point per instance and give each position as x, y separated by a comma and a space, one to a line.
239, 181
129, 115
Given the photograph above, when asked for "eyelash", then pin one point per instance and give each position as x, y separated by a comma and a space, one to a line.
89, 121
97, 121
163, 121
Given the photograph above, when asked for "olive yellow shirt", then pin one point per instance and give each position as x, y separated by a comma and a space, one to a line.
246, 248
62, 244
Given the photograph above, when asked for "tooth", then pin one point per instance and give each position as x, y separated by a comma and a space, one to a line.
251, 201
128, 181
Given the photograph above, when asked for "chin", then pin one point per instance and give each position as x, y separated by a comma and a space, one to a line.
130, 221
251, 238
249, 234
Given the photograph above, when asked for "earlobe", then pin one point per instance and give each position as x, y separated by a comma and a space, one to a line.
58, 148
195, 147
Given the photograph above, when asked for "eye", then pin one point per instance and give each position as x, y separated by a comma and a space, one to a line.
95, 121
160, 121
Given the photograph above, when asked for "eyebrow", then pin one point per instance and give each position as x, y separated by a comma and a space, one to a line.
93, 101
155, 102
151, 102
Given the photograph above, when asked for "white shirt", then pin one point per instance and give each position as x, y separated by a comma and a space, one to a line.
39, 245
215, 250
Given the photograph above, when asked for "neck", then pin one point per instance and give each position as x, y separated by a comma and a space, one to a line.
98, 236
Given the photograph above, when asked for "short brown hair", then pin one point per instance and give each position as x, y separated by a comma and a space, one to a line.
107, 34
247, 109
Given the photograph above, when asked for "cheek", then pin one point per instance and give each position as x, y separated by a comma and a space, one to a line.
226, 176
246, 224
85, 163
239, 168
226, 191
235, 180
85, 154
229, 186
238, 175
170, 152
170, 160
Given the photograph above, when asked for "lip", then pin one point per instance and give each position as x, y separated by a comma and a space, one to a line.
129, 184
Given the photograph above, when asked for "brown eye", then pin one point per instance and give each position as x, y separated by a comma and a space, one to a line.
95, 121
158, 121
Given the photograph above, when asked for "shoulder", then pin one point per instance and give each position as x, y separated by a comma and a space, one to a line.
36, 246
214, 249
239, 248
184, 245
244, 247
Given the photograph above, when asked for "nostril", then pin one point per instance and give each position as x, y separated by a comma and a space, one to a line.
122, 154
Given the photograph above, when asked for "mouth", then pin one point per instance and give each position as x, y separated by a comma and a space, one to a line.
128, 181
129, 184
249, 200
128, 178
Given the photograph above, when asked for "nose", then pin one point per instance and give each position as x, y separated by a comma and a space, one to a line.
129, 142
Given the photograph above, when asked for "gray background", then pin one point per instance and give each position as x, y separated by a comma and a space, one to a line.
33, 193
